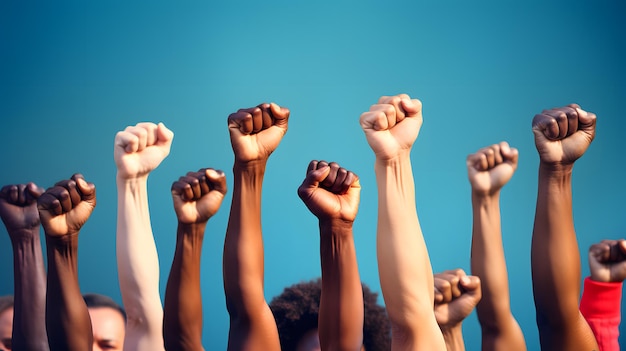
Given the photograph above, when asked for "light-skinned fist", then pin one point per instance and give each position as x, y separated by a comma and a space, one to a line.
140, 149
456, 296
392, 125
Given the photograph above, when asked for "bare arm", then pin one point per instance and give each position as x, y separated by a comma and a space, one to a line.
138, 150
561, 136
18, 208
197, 197
332, 194
63, 210
255, 133
489, 170
405, 272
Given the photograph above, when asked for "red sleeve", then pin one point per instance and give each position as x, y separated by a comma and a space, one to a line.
600, 305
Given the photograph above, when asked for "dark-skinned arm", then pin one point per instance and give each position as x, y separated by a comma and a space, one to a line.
63, 210
18, 208
562, 135
489, 169
197, 197
332, 194
255, 133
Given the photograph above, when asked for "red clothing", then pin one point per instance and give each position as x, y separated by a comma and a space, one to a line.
601, 307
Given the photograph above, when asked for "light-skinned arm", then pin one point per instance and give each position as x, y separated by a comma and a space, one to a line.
489, 169
406, 277
332, 194
197, 196
254, 133
562, 135
139, 150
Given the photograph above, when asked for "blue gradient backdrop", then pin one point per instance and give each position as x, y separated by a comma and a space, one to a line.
74, 73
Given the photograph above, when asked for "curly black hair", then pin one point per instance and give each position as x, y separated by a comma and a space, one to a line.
296, 312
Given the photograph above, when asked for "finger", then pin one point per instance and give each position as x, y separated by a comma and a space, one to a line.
242, 120
398, 108
546, 125
389, 114
470, 284
87, 189
74, 193
330, 179
9, 193
376, 120
586, 122
280, 115
194, 185
21, 195
182, 189
48, 202
622, 246
164, 135
572, 119
261, 113
141, 134
312, 166
490, 158
151, 132
497, 154
340, 186
34, 192
127, 141
312, 181
444, 288
412, 107
217, 179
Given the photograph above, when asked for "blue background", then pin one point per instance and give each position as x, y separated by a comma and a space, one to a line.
74, 73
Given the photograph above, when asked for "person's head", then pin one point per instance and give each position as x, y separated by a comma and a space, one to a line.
6, 322
296, 312
108, 321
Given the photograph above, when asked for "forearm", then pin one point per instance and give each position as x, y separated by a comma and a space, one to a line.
67, 318
555, 256
341, 304
454, 338
183, 299
252, 325
404, 266
243, 246
138, 266
29, 321
488, 263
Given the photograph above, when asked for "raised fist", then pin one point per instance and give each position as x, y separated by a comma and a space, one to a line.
562, 135
65, 207
607, 261
330, 191
256, 132
18, 207
198, 195
490, 168
392, 125
456, 296
140, 149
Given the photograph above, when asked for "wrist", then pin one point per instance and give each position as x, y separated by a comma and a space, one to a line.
399, 159
194, 229
453, 337
133, 182
556, 169
254, 166
336, 227
24, 236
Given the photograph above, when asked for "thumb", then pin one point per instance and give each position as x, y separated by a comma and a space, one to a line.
312, 182
164, 135
471, 285
87, 190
